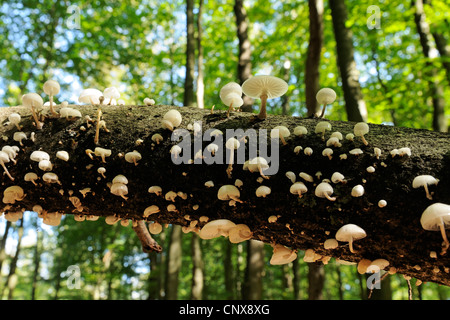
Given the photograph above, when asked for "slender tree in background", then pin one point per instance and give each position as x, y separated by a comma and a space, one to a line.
312, 71
11, 279
354, 103
3, 243
441, 44
245, 50
316, 279
173, 263
428, 47
200, 82
197, 268
189, 97
252, 286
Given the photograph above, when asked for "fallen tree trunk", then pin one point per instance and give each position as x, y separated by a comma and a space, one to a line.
393, 232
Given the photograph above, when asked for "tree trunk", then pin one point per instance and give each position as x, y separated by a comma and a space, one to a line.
316, 280
37, 260
436, 90
197, 269
442, 47
252, 287
200, 82
190, 55
354, 102
11, 279
3, 243
393, 232
245, 50
285, 110
229, 274
173, 265
312, 71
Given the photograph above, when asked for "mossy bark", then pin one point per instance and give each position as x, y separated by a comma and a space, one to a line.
393, 232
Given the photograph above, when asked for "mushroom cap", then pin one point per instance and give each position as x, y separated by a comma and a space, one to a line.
360, 129
323, 188
434, 214
262, 191
119, 189
39, 156
326, 96
298, 188
337, 177
282, 255
422, 180
13, 194
63, 155
133, 156
19, 136
174, 117
228, 190
232, 98
240, 232
259, 85
90, 94
51, 87
322, 126
111, 93
32, 100
98, 151
330, 244
300, 130
216, 228
356, 151
255, 162
120, 178
30, 176
14, 117
50, 177
357, 191
278, 131
150, 210
350, 232
231, 87
155, 189
232, 143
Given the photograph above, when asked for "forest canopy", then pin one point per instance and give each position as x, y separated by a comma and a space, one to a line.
180, 53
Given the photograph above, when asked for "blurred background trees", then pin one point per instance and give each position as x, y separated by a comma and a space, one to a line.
388, 62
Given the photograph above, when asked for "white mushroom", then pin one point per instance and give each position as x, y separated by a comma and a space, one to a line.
324, 190
91, 96
436, 217
424, 181
264, 87
133, 157
360, 129
263, 191
321, 127
231, 144
33, 101
298, 188
357, 191
324, 97
229, 192
280, 132
51, 88
171, 119
349, 233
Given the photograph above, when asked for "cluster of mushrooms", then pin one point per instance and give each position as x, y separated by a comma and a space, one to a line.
436, 217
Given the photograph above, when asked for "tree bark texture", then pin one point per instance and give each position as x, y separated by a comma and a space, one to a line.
312, 71
354, 102
393, 232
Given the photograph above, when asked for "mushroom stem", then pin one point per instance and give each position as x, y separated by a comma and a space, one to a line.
230, 164
444, 236
52, 110
6, 171
236, 199
350, 245
425, 186
229, 109
35, 117
126, 198
97, 127
364, 140
261, 173
148, 243
328, 197
262, 112
323, 110
282, 140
